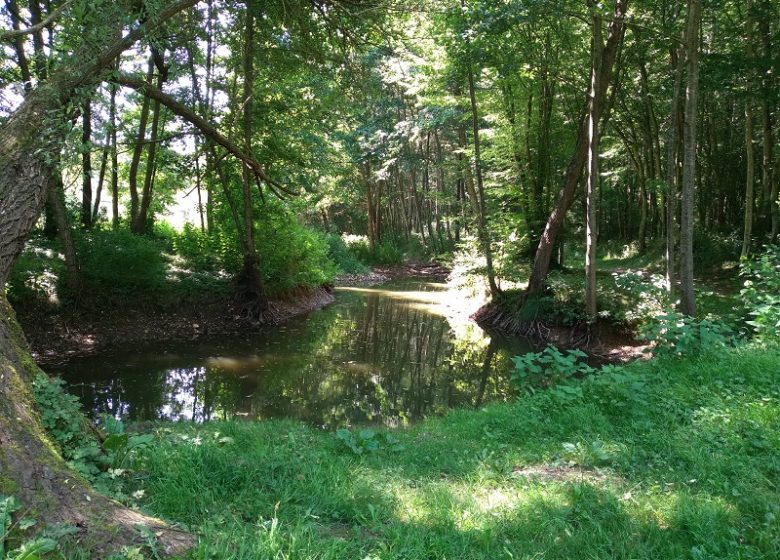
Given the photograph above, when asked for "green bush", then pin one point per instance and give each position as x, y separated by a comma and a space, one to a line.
207, 251
292, 256
343, 257
761, 292
713, 250
385, 253
675, 334
119, 265
548, 367
35, 274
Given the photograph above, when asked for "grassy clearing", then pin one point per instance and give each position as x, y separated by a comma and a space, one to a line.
663, 459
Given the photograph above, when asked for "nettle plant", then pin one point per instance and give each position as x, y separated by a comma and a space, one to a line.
102, 463
548, 367
761, 292
675, 334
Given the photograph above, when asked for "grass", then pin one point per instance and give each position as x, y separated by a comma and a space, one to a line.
661, 459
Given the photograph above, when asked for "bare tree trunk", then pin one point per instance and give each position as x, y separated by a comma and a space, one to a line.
101, 180
56, 200
138, 150
749, 182
114, 161
592, 170
484, 235
672, 230
252, 286
86, 165
141, 219
688, 299
555, 221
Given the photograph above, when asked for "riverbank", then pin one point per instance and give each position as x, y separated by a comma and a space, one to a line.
56, 335
672, 458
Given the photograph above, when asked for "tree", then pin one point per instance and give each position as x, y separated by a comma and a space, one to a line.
29, 141
688, 296
555, 221
592, 169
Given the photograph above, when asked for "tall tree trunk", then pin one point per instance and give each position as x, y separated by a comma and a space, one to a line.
86, 164
114, 160
28, 461
251, 280
688, 296
592, 170
138, 150
101, 180
672, 230
749, 181
141, 220
481, 206
555, 221
56, 200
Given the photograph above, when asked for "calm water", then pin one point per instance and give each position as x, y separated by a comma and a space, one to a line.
378, 355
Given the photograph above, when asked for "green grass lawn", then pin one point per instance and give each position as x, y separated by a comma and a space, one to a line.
662, 459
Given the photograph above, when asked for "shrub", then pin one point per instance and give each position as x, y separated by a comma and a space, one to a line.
292, 256
675, 334
120, 265
344, 259
34, 275
207, 251
549, 366
761, 292
645, 296
384, 253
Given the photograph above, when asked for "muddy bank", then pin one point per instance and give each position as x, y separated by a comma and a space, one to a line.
603, 340
55, 335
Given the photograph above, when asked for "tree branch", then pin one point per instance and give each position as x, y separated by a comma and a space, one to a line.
205, 127
11, 35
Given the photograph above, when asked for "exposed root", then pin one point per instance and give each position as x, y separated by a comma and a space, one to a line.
603, 342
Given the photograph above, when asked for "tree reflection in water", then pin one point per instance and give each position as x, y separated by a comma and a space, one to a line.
386, 356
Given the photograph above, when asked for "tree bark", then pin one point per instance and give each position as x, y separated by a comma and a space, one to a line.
555, 221
688, 296
138, 150
86, 164
114, 160
251, 280
480, 205
749, 182
592, 170
140, 222
672, 230
31, 469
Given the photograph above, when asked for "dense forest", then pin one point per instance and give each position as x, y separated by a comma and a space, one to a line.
585, 195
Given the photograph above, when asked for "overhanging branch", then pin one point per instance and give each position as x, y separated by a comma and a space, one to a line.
6, 36
205, 127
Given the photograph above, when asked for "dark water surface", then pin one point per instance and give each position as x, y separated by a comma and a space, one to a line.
384, 355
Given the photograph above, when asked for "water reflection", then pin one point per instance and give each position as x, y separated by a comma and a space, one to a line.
384, 355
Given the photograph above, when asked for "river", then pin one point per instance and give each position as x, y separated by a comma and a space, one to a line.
385, 355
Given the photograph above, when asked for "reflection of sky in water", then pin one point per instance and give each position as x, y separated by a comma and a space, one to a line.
384, 355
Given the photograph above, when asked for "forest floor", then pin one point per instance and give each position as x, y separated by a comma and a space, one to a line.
668, 458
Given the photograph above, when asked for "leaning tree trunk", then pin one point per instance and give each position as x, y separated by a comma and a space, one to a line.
566, 195
31, 468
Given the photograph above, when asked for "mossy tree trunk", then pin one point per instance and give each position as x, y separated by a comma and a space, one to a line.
30, 466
